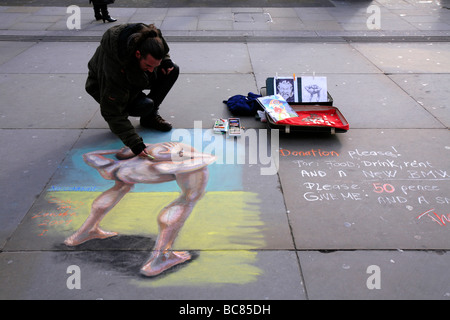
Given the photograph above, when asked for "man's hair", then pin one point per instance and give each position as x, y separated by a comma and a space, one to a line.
148, 41
152, 46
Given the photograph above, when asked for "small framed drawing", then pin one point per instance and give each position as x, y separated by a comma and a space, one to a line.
286, 87
314, 89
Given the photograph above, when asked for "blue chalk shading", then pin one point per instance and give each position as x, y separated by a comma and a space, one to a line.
76, 175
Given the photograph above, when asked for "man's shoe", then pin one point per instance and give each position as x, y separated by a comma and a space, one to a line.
156, 122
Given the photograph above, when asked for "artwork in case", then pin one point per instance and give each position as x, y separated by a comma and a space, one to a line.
276, 107
304, 89
314, 89
286, 87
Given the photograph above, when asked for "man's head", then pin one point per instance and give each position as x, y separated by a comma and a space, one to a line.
147, 62
148, 48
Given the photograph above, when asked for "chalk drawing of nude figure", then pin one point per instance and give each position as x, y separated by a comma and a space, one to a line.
172, 161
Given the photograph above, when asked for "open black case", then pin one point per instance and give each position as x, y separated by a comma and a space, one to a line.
312, 111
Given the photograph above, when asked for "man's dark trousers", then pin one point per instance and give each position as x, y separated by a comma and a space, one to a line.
147, 106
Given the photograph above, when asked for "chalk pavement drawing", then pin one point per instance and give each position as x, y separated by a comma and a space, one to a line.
170, 161
143, 189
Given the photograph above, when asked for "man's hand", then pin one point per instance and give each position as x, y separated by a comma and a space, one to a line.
166, 71
144, 154
166, 66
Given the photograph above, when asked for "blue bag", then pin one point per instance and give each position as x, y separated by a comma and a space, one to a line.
240, 105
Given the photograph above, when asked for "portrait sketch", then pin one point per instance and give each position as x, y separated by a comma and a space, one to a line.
287, 88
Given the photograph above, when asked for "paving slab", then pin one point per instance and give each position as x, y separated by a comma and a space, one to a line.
372, 101
25, 174
10, 19
350, 275
59, 99
217, 58
180, 23
430, 91
307, 58
185, 3
408, 57
183, 108
368, 189
51, 58
10, 49
263, 20
107, 275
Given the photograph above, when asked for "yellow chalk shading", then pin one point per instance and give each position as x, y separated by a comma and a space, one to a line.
226, 224
210, 268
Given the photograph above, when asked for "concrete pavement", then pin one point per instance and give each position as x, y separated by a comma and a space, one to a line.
383, 20
358, 215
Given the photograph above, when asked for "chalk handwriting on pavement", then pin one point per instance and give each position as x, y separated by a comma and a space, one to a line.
439, 219
386, 175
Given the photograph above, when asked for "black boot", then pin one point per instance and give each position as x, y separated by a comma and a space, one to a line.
155, 121
105, 14
97, 14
